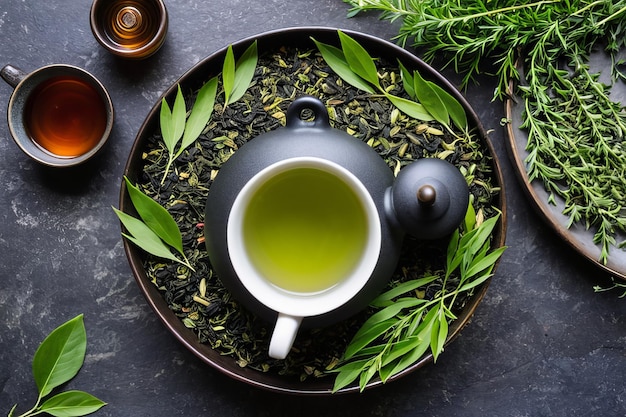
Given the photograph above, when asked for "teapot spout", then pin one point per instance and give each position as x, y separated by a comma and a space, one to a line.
429, 198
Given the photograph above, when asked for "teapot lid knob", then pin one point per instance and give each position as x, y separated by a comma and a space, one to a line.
429, 198
426, 195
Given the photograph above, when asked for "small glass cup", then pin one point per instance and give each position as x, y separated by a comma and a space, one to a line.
133, 29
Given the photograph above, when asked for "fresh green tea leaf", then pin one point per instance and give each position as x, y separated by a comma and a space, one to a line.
397, 350
367, 336
439, 334
167, 127
173, 123
336, 60
452, 105
156, 217
410, 108
142, 236
486, 262
60, 356
71, 404
410, 357
244, 73
429, 98
359, 60
228, 74
469, 220
200, 114
57, 360
348, 373
405, 328
402, 288
407, 81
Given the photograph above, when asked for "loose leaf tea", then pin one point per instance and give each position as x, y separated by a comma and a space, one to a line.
198, 298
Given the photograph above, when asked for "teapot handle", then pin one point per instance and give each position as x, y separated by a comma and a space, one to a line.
320, 114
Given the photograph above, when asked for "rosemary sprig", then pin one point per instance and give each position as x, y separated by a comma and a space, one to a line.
575, 130
406, 326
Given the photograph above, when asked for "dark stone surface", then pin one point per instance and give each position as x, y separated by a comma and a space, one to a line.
542, 343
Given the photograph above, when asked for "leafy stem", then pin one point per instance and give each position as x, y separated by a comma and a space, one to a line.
406, 326
156, 231
57, 360
180, 131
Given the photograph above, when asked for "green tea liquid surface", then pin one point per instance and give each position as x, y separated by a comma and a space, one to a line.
305, 230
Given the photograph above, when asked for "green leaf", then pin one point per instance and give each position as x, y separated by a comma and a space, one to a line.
454, 108
72, 404
487, 261
405, 287
156, 217
399, 349
142, 236
483, 233
475, 282
348, 373
439, 335
336, 60
410, 357
407, 81
429, 98
200, 114
167, 127
410, 108
173, 124
366, 335
60, 356
244, 73
359, 60
469, 222
228, 74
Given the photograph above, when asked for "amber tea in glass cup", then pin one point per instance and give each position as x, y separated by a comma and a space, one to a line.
59, 115
133, 29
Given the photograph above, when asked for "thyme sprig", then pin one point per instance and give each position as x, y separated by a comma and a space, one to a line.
575, 130
406, 326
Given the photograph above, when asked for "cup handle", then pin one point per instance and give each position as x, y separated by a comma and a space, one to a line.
12, 75
284, 335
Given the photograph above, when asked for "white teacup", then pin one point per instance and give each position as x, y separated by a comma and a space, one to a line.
304, 237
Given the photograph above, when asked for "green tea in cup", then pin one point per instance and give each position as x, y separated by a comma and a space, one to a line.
304, 230
304, 237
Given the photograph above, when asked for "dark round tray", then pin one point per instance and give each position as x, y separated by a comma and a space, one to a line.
296, 37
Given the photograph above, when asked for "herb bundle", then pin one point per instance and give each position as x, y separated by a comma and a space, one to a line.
575, 131
198, 297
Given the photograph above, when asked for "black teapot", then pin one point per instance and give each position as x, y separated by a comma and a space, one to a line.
256, 202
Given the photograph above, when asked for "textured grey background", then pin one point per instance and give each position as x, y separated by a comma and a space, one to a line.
541, 344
